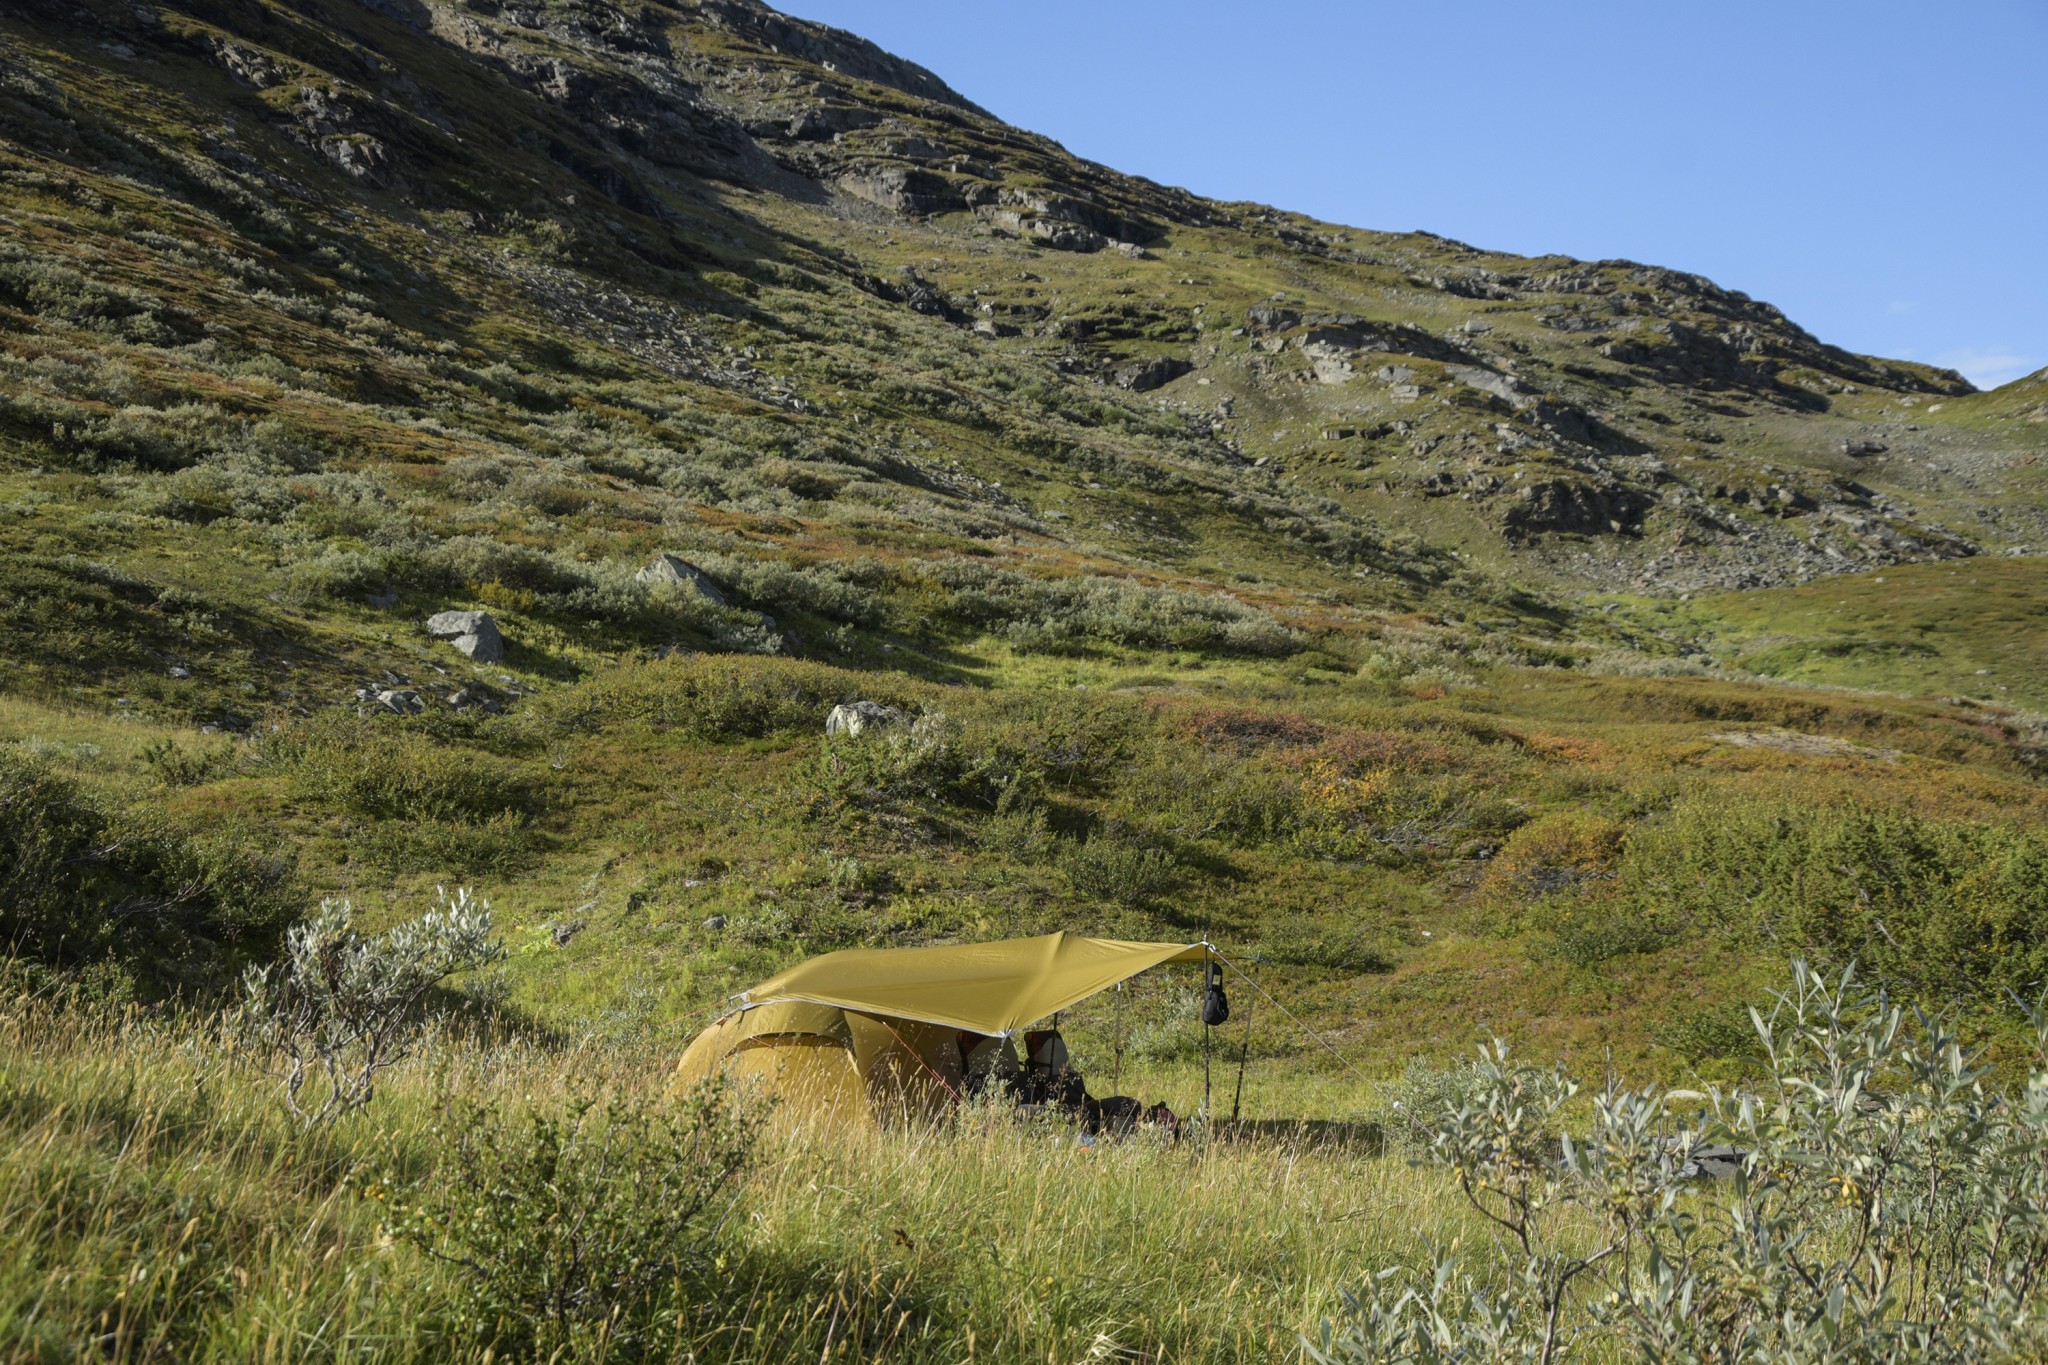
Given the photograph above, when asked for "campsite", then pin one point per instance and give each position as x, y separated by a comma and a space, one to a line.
1059, 683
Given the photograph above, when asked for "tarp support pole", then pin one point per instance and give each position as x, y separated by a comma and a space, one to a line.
1117, 1069
1209, 974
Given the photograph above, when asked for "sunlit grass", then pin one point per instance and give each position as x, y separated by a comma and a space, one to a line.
159, 1205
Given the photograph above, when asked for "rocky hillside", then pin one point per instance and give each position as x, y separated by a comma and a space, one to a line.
328, 304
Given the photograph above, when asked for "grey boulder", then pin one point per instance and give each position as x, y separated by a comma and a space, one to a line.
472, 632
666, 568
855, 718
403, 702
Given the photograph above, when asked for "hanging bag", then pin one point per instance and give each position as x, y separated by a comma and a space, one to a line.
1215, 1004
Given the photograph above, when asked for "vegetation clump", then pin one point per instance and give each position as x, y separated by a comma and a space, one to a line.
342, 1007
595, 1231
81, 885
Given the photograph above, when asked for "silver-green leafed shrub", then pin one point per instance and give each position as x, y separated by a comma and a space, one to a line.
343, 1007
1883, 1201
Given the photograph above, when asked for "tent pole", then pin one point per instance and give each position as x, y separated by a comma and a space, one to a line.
1116, 1074
1244, 1054
1209, 974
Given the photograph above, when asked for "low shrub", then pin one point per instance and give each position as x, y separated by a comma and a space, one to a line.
1587, 931
1065, 615
340, 1007
177, 766
1418, 1103
1939, 908
719, 697
1343, 946
427, 805
1020, 835
339, 574
82, 884
405, 776
1117, 868
932, 759
847, 594
588, 1232
1556, 852
502, 843
1714, 1034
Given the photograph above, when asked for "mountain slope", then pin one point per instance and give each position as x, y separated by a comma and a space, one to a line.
392, 198
1314, 586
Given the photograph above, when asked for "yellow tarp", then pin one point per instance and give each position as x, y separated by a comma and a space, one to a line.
981, 987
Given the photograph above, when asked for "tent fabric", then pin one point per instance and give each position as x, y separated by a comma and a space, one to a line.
981, 987
831, 1065
873, 1035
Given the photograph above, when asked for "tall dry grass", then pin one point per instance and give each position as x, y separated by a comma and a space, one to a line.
157, 1204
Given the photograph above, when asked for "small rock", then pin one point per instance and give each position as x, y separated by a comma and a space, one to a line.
401, 702
565, 931
855, 718
668, 568
181, 672
715, 923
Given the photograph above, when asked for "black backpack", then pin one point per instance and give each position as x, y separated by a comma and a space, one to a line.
1215, 1004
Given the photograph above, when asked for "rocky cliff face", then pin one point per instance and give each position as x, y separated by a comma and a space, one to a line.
730, 197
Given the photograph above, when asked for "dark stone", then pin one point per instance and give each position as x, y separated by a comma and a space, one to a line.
1143, 376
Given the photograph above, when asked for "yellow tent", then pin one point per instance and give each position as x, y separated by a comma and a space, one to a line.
876, 1032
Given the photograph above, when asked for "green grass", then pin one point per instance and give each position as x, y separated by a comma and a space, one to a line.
1975, 628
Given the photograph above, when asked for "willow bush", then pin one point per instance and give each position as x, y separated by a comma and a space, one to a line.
1885, 1203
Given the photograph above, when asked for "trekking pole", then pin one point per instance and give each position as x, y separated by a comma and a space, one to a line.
1207, 1113
1244, 1055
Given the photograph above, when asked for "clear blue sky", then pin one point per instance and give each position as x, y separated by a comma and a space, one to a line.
1877, 169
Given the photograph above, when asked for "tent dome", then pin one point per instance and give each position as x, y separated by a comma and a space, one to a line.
833, 1065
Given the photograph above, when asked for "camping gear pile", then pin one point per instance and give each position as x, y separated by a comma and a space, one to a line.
885, 1034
